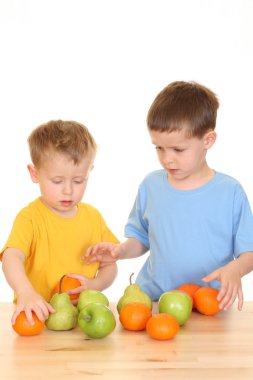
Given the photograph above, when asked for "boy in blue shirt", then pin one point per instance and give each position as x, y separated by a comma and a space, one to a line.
195, 222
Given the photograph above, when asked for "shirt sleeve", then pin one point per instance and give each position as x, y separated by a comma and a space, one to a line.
21, 235
243, 224
137, 226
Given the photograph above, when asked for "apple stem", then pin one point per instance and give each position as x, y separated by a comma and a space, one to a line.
60, 284
130, 279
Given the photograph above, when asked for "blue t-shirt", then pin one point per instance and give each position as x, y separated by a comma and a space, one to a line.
189, 233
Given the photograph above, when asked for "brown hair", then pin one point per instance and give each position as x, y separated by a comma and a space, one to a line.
187, 105
67, 137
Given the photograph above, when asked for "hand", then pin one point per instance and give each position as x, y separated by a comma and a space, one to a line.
84, 285
102, 252
231, 286
29, 301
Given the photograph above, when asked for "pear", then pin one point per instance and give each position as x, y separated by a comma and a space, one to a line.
133, 293
65, 316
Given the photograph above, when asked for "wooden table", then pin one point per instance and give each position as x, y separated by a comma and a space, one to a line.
219, 347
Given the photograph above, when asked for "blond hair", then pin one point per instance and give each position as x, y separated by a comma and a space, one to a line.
67, 137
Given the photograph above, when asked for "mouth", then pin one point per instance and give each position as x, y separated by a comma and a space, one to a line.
172, 171
66, 203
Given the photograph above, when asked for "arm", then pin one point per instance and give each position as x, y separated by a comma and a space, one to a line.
230, 279
109, 252
27, 298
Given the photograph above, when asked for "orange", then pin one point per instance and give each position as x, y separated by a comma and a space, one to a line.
67, 283
134, 316
162, 326
22, 327
190, 289
205, 300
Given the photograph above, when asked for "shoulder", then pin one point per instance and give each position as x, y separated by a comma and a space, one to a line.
228, 188
154, 177
29, 211
228, 182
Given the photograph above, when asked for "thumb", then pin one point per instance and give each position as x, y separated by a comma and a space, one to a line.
211, 276
115, 253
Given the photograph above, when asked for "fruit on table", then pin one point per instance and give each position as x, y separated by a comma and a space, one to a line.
190, 289
68, 283
178, 304
22, 326
65, 316
89, 296
162, 326
133, 293
134, 316
96, 320
205, 300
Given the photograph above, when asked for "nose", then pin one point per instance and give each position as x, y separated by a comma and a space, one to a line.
67, 188
168, 159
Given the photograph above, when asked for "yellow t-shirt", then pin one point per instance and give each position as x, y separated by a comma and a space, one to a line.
54, 246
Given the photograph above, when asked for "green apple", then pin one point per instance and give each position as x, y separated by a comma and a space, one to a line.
96, 320
177, 304
89, 296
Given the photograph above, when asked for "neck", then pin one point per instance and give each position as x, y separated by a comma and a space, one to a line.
192, 182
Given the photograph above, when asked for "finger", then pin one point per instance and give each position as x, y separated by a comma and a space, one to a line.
240, 299
93, 250
40, 312
50, 308
94, 258
223, 290
74, 302
115, 253
47, 308
15, 315
227, 299
29, 317
228, 302
76, 290
87, 253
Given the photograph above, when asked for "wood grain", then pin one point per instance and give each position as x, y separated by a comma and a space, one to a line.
219, 347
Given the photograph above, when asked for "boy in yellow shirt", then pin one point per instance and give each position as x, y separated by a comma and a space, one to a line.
51, 234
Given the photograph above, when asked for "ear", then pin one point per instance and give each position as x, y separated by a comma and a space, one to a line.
33, 173
209, 139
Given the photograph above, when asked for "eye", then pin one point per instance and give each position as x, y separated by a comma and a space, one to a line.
178, 150
78, 182
56, 181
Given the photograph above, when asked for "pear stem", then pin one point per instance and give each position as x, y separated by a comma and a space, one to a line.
130, 278
60, 284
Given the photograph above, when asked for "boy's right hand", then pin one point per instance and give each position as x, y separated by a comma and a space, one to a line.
29, 301
102, 252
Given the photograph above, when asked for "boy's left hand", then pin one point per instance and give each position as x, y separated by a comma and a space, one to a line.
231, 285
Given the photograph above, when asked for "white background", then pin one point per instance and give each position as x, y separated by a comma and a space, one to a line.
102, 63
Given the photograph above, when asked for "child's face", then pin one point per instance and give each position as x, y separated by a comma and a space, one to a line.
62, 183
183, 158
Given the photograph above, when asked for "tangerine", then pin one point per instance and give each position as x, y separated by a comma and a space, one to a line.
190, 289
66, 284
134, 316
205, 300
162, 326
22, 326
